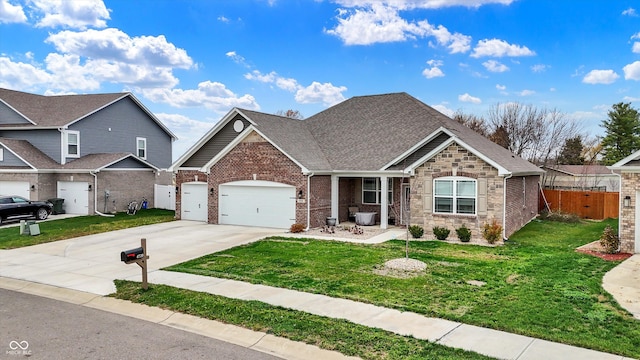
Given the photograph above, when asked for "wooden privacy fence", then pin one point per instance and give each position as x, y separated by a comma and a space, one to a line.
586, 204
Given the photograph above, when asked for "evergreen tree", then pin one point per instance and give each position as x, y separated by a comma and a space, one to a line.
571, 153
622, 133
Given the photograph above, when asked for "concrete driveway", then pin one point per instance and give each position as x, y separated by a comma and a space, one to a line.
91, 263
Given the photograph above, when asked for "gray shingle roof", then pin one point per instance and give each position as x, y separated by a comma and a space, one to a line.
40, 161
365, 133
49, 111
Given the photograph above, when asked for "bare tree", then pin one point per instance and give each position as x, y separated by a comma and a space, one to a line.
293, 114
473, 122
533, 133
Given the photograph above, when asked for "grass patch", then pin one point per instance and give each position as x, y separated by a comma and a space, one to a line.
61, 229
331, 334
536, 285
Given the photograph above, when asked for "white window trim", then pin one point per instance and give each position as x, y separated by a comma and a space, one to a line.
66, 147
138, 148
378, 191
1, 154
455, 180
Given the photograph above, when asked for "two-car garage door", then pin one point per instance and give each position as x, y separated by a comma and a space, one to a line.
257, 203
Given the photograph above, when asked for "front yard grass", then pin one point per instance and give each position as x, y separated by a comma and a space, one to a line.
61, 229
331, 334
536, 285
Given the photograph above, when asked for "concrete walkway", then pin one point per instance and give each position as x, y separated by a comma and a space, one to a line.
81, 270
623, 282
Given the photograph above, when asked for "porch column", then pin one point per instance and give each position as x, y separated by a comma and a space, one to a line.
334, 197
384, 202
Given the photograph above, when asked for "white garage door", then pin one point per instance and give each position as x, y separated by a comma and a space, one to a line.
20, 188
257, 203
194, 201
75, 195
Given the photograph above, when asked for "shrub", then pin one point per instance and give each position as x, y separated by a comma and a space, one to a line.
296, 228
492, 231
559, 216
416, 231
464, 234
609, 240
441, 233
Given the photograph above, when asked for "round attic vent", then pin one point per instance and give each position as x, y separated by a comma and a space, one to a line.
238, 126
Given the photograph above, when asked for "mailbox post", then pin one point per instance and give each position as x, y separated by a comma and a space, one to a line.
138, 256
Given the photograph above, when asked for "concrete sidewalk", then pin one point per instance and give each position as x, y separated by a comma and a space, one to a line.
494, 343
623, 282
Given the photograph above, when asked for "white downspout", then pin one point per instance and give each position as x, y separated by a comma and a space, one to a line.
62, 152
95, 195
504, 207
308, 201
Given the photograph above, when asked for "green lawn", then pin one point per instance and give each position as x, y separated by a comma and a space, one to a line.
332, 334
536, 285
61, 229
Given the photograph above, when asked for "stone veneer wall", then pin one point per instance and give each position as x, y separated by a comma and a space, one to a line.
627, 220
456, 161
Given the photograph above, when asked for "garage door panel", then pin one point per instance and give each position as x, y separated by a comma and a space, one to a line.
194, 202
75, 195
20, 188
264, 206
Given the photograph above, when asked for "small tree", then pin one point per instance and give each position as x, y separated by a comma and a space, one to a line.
293, 114
622, 136
571, 152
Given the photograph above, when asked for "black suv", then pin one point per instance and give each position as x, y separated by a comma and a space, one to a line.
17, 207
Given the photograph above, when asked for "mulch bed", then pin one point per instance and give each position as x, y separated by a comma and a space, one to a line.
595, 249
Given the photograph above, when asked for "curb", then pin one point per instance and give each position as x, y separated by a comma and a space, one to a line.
255, 340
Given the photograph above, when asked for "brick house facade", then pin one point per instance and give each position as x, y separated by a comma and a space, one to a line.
628, 170
330, 172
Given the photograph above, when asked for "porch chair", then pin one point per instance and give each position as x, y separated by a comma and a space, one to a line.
352, 212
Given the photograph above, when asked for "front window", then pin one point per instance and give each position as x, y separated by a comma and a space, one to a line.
73, 143
455, 195
141, 147
372, 189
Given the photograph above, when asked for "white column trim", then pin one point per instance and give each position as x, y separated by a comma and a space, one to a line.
334, 197
384, 202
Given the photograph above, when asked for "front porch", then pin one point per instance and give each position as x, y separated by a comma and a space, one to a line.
352, 194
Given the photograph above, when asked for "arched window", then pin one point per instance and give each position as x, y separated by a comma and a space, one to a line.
455, 195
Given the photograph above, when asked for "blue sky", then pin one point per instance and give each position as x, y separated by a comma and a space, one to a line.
191, 61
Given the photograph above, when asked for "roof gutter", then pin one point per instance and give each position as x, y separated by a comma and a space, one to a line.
309, 175
504, 206
95, 195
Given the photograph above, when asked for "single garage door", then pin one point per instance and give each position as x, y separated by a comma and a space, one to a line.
20, 188
75, 195
257, 203
194, 201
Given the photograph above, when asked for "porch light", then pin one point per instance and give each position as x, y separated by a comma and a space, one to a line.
627, 201
300, 194
211, 191
89, 187
33, 188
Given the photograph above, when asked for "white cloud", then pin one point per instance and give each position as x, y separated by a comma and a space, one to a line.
631, 99
501, 87
444, 109
495, 66
526, 92
377, 23
632, 71
538, 68
422, 4
212, 95
630, 12
600, 77
468, 98
636, 47
287, 84
499, 48
115, 45
238, 59
434, 70
21, 76
71, 14
325, 93
10, 13
223, 19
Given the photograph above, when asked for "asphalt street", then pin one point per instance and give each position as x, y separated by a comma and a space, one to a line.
41, 328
